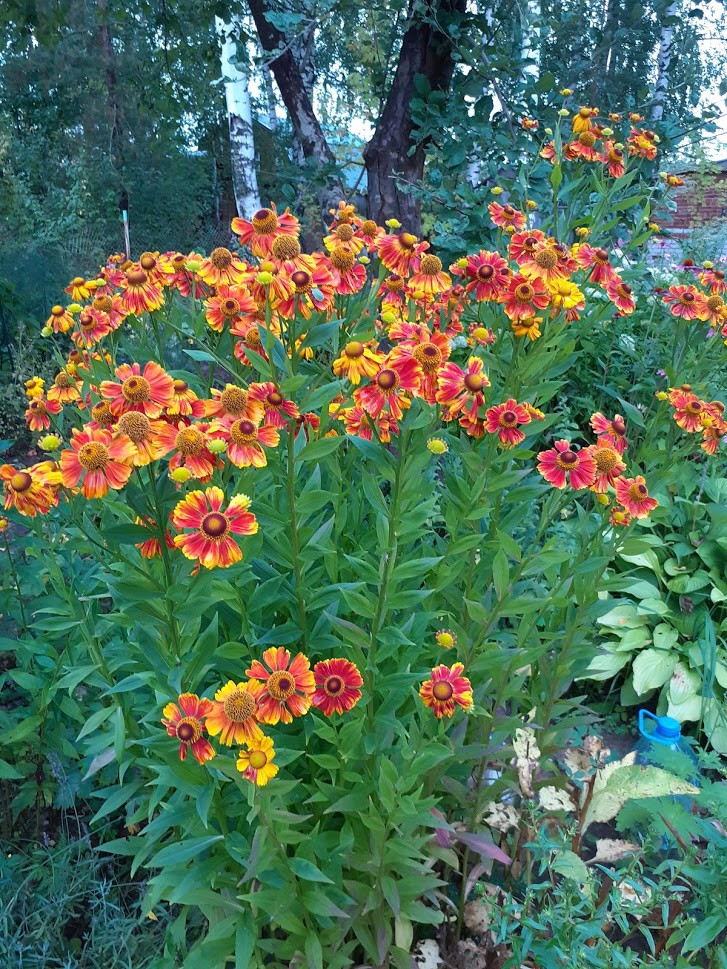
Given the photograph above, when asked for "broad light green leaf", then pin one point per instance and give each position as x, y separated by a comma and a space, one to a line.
652, 668
308, 871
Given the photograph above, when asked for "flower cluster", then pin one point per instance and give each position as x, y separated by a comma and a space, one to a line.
697, 416
688, 302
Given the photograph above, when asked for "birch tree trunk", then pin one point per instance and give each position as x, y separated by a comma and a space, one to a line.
239, 117
666, 46
530, 17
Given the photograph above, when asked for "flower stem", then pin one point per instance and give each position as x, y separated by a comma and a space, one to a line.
290, 475
14, 576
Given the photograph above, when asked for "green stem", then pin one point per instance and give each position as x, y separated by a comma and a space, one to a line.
168, 573
14, 576
295, 542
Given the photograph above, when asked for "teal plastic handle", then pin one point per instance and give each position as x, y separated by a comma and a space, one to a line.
642, 716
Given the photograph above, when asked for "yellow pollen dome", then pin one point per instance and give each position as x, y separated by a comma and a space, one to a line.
715, 303
93, 456
21, 481
341, 258
265, 221
233, 400
587, 139
136, 389
147, 261
180, 475
369, 228
264, 278
190, 441
62, 380
431, 265
546, 258
134, 425
239, 706
221, 258
104, 304
407, 240
252, 338
428, 356
446, 638
229, 307
354, 349
437, 446
286, 247
344, 232
606, 459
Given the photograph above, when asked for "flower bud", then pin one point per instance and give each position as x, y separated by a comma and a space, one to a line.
607, 132
462, 263
496, 190
564, 113
364, 260
216, 446
531, 204
180, 475
264, 278
388, 318
582, 232
3, 524
193, 265
603, 499
74, 308
46, 331
662, 395
393, 224
708, 264
49, 443
437, 446
548, 131
566, 92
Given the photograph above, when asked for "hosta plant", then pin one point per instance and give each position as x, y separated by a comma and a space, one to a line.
316, 532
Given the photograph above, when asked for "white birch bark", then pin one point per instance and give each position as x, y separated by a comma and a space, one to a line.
239, 117
530, 18
666, 42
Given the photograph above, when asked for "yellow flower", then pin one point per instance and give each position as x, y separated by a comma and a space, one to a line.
34, 387
582, 232
256, 763
565, 294
566, 92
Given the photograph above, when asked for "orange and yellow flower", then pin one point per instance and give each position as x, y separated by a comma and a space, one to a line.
210, 542
634, 496
462, 390
102, 459
561, 466
357, 359
233, 714
266, 225
446, 690
611, 432
149, 391
32, 491
287, 687
245, 439
223, 268
609, 466
398, 252
506, 216
389, 387
37, 413
504, 420
139, 294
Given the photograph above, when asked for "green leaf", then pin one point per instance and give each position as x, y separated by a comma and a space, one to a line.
652, 668
183, 851
8, 772
500, 574
624, 780
320, 448
307, 871
129, 534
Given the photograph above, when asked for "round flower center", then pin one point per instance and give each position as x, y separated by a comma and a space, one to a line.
547, 258
136, 389
178, 261
38, 406
567, 460
524, 293
606, 459
229, 307
214, 525
286, 247
485, 272
508, 210
615, 155
715, 304
134, 425
369, 228
258, 759
147, 261
693, 407
189, 441
387, 379
395, 282
265, 221
21, 481
341, 258
103, 304
280, 685
428, 356
221, 258
136, 277
302, 280
62, 381
442, 690
508, 418
345, 232
624, 289
687, 298
333, 685
57, 311
445, 639
637, 492
252, 338
93, 456
274, 399
354, 349
584, 112
587, 139
180, 386
407, 240
101, 413
431, 265
618, 428
239, 706
474, 382
233, 400
189, 730
243, 432
601, 256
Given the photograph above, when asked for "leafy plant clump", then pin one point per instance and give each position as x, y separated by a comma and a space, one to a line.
321, 543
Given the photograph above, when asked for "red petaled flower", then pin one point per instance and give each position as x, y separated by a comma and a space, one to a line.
152, 547
524, 296
287, 687
621, 294
691, 414
279, 410
463, 390
337, 686
223, 268
488, 274
245, 440
503, 420
446, 690
148, 391
31, 491
266, 225
102, 459
230, 305
186, 723
686, 301
634, 496
388, 388
506, 215
611, 432
597, 260
398, 252
190, 442
211, 541
561, 466
609, 466
38, 410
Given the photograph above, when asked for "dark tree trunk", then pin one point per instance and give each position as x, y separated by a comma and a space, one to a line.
426, 51
292, 86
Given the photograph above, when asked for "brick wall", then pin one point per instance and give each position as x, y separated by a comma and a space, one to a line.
700, 201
